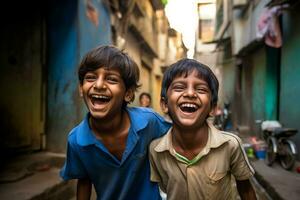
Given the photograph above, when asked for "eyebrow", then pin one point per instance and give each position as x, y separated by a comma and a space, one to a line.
108, 72
202, 82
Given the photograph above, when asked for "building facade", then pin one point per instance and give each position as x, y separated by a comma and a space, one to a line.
258, 42
41, 47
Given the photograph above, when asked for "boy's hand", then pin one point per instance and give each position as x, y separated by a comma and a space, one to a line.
84, 188
245, 190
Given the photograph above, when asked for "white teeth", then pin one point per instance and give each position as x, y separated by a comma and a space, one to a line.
100, 96
189, 105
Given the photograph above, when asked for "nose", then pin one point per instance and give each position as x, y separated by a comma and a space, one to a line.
99, 83
190, 92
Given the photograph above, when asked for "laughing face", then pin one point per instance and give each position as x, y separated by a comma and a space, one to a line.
189, 101
104, 91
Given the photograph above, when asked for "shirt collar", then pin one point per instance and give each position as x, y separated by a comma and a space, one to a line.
137, 119
215, 139
86, 137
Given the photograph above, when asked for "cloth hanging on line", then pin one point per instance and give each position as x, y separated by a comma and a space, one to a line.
268, 26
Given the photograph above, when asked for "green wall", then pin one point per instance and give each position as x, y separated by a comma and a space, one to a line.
272, 82
259, 85
290, 73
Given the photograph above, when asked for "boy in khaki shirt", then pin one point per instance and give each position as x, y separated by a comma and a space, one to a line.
194, 160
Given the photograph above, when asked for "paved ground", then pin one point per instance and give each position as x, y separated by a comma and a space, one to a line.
279, 183
36, 177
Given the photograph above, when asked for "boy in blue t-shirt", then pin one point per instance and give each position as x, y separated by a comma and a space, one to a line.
108, 149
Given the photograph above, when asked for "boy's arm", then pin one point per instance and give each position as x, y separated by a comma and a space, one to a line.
84, 188
245, 190
154, 172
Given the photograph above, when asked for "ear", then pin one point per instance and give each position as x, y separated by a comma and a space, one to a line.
129, 95
164, 106
213, 111
80, 90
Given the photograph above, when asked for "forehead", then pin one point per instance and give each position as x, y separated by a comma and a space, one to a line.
109, 70
144, 96
192, 73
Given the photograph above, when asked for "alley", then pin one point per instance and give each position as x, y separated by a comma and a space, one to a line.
252, 47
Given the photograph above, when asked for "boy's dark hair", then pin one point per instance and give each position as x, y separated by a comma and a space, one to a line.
186, 66
145, 94
111, 57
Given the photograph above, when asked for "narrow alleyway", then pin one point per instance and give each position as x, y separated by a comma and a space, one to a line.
41, 46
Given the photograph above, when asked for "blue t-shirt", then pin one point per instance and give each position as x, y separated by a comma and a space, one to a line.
129, 178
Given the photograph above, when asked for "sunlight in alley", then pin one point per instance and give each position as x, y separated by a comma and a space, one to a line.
183, 17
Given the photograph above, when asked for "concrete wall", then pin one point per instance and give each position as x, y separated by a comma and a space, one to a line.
133, 50
62, 80
259, 90
244, 24
71, 34
22, 82
290, 73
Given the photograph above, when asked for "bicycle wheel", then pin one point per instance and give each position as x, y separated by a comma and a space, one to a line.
270, 154
287, 158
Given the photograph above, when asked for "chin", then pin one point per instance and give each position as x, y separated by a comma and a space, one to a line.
190, 123
97, 116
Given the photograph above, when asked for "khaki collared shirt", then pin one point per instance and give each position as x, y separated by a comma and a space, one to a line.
210, 178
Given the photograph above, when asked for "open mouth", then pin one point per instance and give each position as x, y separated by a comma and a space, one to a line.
99, 99
188, 107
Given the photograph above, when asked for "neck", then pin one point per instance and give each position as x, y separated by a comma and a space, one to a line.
102, 127
189, 140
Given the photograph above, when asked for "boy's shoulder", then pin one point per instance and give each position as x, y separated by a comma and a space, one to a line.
219, 137
148, 120
80, 129
161, 143
155, 142
232, 139
143, 113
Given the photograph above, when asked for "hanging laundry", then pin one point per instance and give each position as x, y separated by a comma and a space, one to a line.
268, 26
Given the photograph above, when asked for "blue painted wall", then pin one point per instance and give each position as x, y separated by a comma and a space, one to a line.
91, 35
70, 35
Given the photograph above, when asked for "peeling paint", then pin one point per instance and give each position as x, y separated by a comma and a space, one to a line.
92, 13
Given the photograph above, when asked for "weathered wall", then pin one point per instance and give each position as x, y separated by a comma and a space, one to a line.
21, 82
62, 62
272, 83
290, 73
228, 82
244, 24
258, 89
244, 95
71, 34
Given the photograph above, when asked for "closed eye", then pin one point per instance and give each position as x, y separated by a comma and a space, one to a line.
112, 79
202, 90
90, 78
178, 87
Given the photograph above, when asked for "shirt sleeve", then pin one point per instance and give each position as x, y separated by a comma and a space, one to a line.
154, 172
162, 125
240, 165
73, 167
